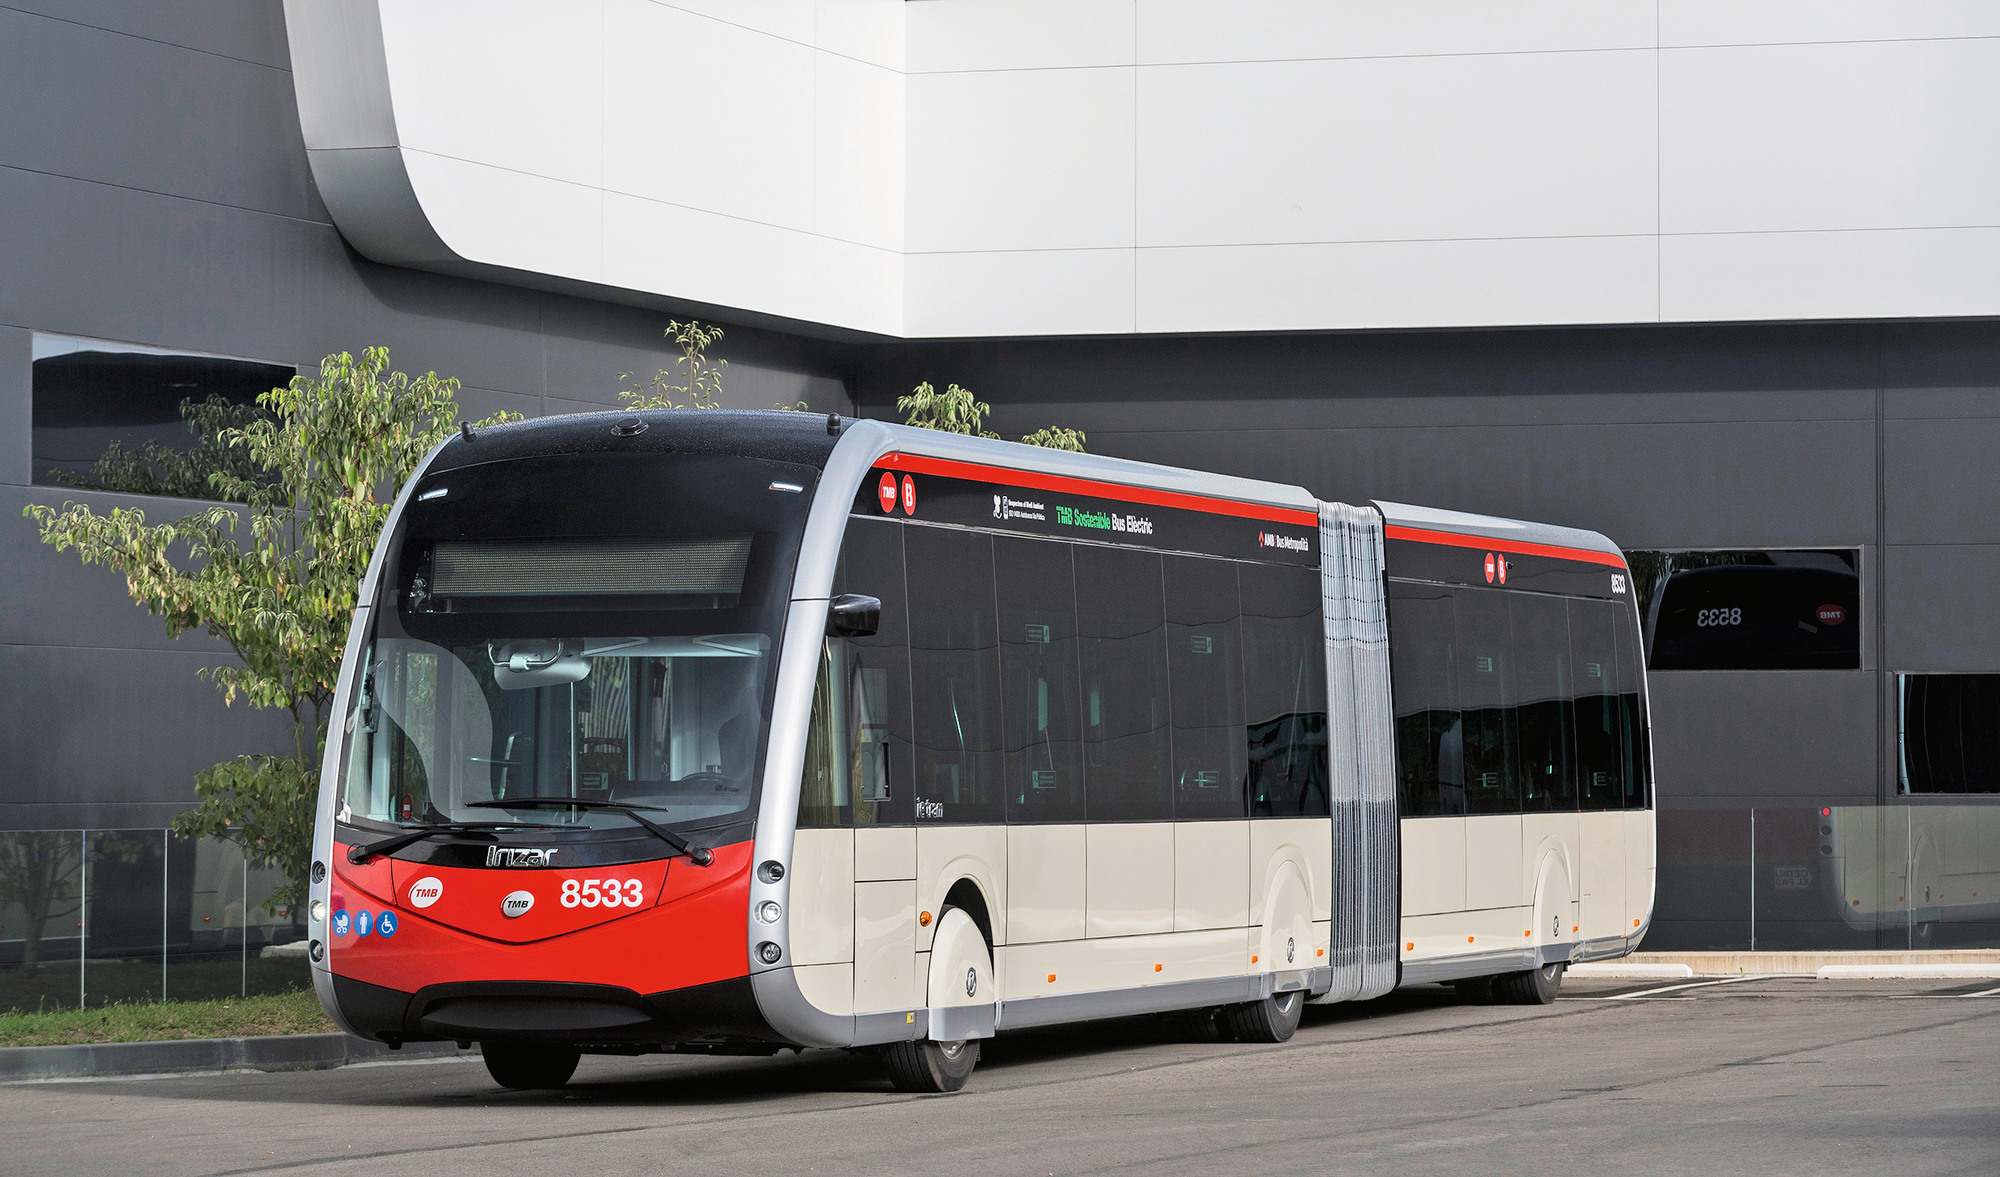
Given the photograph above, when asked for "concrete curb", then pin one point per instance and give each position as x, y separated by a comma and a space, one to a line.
1908, 972
283, 1052
1812, 964
1619, 971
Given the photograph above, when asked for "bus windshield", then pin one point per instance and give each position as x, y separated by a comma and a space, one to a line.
661, 722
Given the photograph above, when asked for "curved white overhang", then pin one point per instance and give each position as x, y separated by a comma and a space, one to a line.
965, 168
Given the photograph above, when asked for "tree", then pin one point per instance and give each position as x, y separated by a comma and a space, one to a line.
157, 469
696, 378
281, 591
956, 410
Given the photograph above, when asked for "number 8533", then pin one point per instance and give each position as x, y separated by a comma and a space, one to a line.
603, 893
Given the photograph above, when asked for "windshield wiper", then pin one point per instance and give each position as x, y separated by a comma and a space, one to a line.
394, 842
695, 854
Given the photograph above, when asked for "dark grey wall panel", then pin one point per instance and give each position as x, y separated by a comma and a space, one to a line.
117, 727
252, 30
17, 443
1939, 480
55, 599
1749, 484
1941, 613
117, 109
1726, 739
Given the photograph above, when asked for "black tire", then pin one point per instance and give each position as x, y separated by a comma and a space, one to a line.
931, 1068
1270, 1020
1475, 990
1534, 987
530, 1066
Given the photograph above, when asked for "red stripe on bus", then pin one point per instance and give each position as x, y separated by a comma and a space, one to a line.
1107, 490
1488, 543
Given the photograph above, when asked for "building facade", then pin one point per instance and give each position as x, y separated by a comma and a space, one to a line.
1722, 285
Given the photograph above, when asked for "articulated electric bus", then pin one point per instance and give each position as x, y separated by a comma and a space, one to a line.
732, 732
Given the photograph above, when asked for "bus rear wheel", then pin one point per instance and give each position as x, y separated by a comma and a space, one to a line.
1534, 987
931, 1067
1271, 1020
530, 1066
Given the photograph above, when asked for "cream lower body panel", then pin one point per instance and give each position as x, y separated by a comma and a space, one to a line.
1121, 962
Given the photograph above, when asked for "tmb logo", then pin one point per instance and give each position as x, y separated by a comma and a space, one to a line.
426, 891
1830, 614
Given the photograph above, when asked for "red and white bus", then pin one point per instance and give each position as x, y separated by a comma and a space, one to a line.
731, 732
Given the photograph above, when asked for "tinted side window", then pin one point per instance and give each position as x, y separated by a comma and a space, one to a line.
1284, 680
1122, 613
1205, 669
954, 675
1486, 706
1541, 692
1038, 676
1430, 757
858, 765
1632, 713
1593, 663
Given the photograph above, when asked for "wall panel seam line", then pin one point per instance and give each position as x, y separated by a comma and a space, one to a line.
242, 208
1575, 51
605, 188
756, 32
283, 69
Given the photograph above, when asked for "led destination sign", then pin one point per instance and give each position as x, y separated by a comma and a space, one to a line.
935, 491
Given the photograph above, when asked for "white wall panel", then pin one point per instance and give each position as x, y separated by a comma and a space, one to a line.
1026, 292
792, 20
1275, 30
1398, 284
1036, 159
866, 30
857, 152
535, 223
1732, 22
512, 83
948, 36
1881, 274
725, 125
1858, 136
1397, 149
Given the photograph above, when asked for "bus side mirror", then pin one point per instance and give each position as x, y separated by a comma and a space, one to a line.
851, 615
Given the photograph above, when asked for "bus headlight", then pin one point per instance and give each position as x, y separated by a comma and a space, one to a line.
769, 911
317, 911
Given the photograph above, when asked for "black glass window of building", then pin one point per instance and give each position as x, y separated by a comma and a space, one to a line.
1948, 728
1786, 609
115, 416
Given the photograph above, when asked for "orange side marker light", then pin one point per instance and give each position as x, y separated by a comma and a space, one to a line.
1052, 978
1410, 946
1158, 967
1253, 958
1321, 952
924, 919
1468, 939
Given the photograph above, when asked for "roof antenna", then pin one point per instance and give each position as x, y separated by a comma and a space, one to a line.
833, 424
465, 431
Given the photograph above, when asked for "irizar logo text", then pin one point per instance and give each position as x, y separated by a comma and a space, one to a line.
520, 856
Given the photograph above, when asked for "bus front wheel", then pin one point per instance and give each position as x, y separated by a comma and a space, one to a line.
931, 1067
530, 1066
1271, 1020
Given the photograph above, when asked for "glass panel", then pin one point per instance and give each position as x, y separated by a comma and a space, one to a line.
1593, 646
1750, 610
41, 916
124, 917
1038, 668
954, 675
1541, 693
205, 919
878, 677
1703, 898
141, 420
1430, 756
1634, 736
1205, 664
1485, 668
1284, 676
268, 924
1121, 610
1949, 726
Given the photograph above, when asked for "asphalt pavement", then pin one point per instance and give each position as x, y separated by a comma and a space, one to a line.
1779, 1076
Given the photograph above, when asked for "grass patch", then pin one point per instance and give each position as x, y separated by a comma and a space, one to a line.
293, 1012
